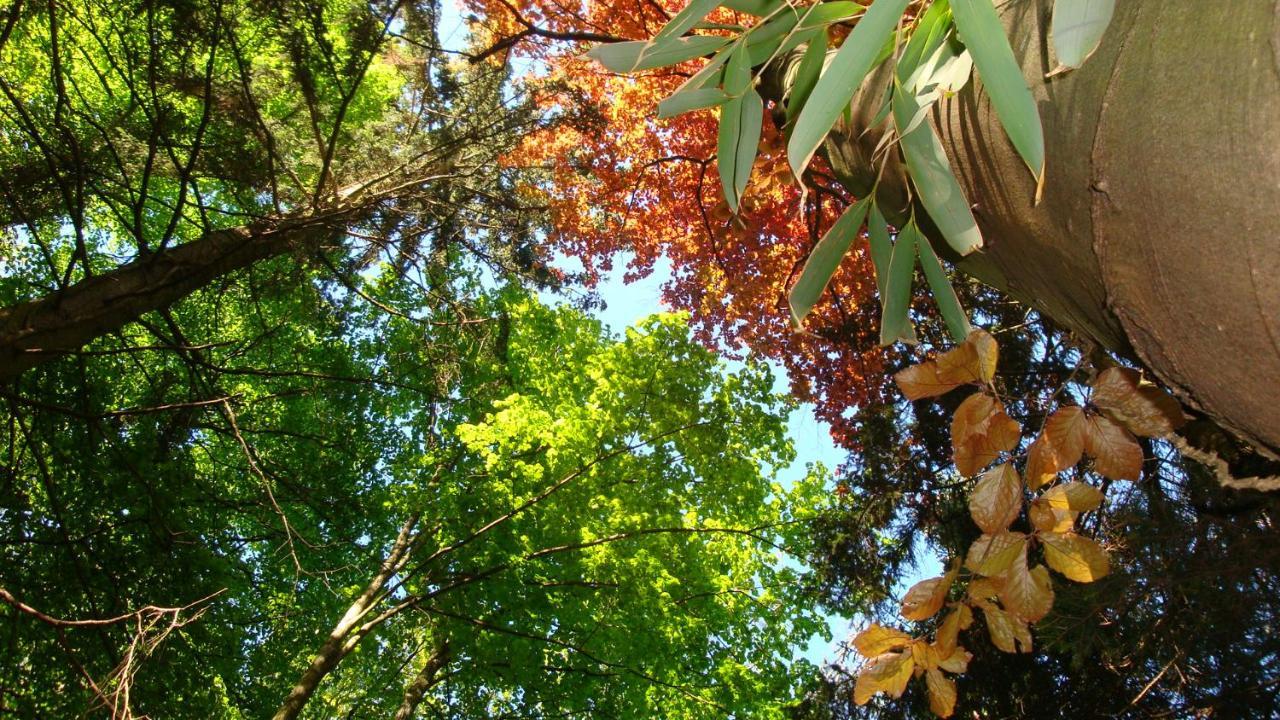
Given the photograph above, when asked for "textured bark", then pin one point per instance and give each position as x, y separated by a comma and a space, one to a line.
1159, 233
41, 330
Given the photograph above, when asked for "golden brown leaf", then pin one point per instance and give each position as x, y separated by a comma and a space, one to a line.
1040, 468
1141, 407
1116, 454
982, 590
996, 500
988, 353
924, 655
948, 632
1063, 438
980, 431
1075, 556
922, 381
887, 673
877, 640
942, 693
1046, 518
1074, 496
991, 555
1008, 632
926, 597
957, 662
1027, 593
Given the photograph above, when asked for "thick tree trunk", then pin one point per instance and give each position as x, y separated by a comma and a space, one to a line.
41, 330
1159, 233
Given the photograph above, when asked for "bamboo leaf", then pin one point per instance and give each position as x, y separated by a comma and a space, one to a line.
940, 193
626, 57
824, 259
834, 90
741, 119
759, 8
683, 22
895, 324
943, 294
983, 34
806, 75
881, 247
1078, 26
696, 99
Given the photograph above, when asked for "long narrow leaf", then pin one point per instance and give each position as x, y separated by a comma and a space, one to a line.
1078, 26
881, 247
895, 324
626, 57
760, 8
825, 257
931, 173
835, 89
683, 22
741, 119
944, 295
807, 75
982, 33
927, 36
688, 100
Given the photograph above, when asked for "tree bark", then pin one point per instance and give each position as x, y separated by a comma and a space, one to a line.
349, 631
41, 330
426, 679
1159, 233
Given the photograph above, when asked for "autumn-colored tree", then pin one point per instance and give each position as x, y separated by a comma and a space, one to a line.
619, 180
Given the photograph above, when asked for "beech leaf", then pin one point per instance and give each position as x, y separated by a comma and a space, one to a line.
926, 597
1008, 632
1116, 454
1047, 518
922, 381
1075, 556
942, 693
887, 673
1027, 592
957, 662
1074, 496
996, 500
1143, 408
1063, 438
991, 555
877, 640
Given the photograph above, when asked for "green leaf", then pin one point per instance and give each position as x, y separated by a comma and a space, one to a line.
824, 259
759, 8
925, 39
930, 172
741, 119
1078, 26
806, 75
627, 57
943, 294
694, 99
835, 89
683, 22
983, 34
881, 247
895, 324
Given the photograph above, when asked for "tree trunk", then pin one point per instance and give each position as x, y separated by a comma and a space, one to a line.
41, 330
1159, 233
423, 681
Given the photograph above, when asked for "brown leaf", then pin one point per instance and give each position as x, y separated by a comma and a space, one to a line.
974, 360
1116, 454
922, 381
982, 590
980, 431
1046, 518
1039, 468
957, 662
991, 555
926, 597
949, 629
988, 353
1075, 556
996, 500
1027, 593
1141, 407
1063, 438
1074, 496
1007, 631
942, 693
877, 640
887, 673
924, 655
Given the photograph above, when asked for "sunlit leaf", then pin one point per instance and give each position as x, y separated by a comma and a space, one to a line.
957, 662
1075, 556
824, 260
983, 34
1078, 26
1027, 592
692, 14
996, 500
944, 295
807, 74
1008, 632
881, 248
835, 89
922, 381
960, 618
887, 673
942, 693
926, 597
1047, 518
741, 120
690, 100
992, 555
1074, 496
1063, 438
877, 640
